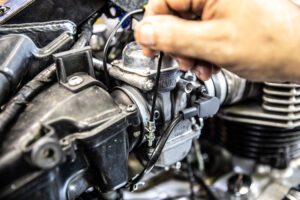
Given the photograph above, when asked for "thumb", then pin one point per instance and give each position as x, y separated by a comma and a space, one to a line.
204, 40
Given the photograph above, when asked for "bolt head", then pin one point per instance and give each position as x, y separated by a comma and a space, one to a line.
150, 85
137, 134
131, 108
189, 87
178, 165
46, 153
75, 80
138, 185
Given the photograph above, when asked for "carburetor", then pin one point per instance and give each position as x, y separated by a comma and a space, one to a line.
174, 91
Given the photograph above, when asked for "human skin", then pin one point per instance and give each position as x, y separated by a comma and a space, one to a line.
2, 2
256, 39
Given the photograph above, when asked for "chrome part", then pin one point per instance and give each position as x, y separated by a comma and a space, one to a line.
150, 135
139, 71
266, 183
236, 87
280, 108
229, 88
239, 186
141, 103
134, 61
283, 101
178, 144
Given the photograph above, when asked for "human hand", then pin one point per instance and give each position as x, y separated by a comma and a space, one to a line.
256, 39
2, 2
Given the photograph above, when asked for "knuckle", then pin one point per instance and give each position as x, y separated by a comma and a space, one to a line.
180, 5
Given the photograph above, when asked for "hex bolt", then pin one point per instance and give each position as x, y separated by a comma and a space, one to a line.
46, 153
149, 85
131, 108
75, 80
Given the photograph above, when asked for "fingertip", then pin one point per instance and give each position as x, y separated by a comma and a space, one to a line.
145, 33
185, 64
157, 7
148, 52
203, 72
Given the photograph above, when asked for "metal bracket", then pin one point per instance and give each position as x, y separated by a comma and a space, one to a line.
75, 69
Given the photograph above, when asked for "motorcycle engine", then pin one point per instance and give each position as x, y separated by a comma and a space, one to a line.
85, 115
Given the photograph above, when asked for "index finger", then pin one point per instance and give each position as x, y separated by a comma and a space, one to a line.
165, 7
172, 7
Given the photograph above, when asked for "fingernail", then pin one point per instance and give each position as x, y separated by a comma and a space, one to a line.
147, 35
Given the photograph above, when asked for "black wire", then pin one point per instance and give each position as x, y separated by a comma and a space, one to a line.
190, 176
107, 44
156, 86
210, 194
167, 198
86, 32
157, 151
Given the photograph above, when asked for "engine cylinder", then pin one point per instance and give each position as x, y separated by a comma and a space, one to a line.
265, 130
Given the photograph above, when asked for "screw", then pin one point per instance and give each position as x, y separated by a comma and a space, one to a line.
4, 10
136, 133
178, 165
64, 142
138, 185
189, 87
149, 85
131, 108
75, 80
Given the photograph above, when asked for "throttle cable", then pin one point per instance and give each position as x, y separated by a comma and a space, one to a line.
107, 44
